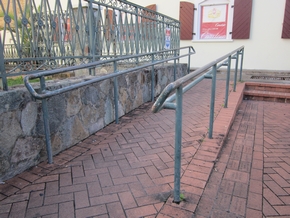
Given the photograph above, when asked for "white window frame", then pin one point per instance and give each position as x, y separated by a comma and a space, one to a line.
197, 18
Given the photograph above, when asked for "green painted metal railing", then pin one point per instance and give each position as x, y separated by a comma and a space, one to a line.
45, 34
44, 93
165, 102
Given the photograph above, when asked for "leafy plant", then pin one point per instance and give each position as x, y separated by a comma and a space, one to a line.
182, 197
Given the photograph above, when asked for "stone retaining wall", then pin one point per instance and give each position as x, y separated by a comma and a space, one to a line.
73, 116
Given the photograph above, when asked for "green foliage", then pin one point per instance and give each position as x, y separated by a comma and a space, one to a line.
19, 81
182, 197
15, 81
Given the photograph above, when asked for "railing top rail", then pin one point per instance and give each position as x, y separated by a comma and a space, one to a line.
174, 85
48, 94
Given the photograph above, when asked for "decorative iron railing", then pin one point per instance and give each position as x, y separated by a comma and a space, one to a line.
41, 34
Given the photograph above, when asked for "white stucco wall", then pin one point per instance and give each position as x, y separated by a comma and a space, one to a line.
265, 50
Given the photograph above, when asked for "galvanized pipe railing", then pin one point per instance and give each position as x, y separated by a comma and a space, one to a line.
166, 102
45, 93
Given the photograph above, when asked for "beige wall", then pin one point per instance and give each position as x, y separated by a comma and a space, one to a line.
265, 50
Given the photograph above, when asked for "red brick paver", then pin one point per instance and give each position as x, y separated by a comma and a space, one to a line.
127, 169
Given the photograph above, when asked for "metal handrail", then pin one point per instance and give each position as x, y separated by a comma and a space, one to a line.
44, 93
164, 101
159, 103
47, 94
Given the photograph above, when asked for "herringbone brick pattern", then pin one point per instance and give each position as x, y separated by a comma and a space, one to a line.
252, 175
276, 186
124, 170
127, 169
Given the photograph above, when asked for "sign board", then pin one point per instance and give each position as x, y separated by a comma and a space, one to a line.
167, 38
214, 22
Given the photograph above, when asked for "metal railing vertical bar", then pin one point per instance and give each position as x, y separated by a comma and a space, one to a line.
212, 101
91, 38
236, 70
46, 27
228, 81
178, 141
16, 26
241, 64
163, 38
46, 122
33, 43
152, 79
188, 65
137, 34
116, 94
175, 65
2, 68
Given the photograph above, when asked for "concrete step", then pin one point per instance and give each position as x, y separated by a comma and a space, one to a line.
267, 92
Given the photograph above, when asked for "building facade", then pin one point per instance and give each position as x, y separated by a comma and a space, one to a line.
215, 27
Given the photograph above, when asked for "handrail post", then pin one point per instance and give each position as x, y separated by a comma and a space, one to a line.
163, 38
212, 101
228, 82
241, 66
236, 70
178, 136
46, 123
188, 64
174, 65
2, 67
116, 94
152, 79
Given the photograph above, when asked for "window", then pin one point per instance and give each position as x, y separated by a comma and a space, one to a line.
214, 20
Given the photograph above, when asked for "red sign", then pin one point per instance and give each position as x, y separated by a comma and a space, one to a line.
214, 22
167, 32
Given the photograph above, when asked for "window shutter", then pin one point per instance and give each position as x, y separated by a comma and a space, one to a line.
242, 19
152, 7
186, 20
286, 23
108, 22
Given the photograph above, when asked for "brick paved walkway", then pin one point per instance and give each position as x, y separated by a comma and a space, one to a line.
252, 176
126, 170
